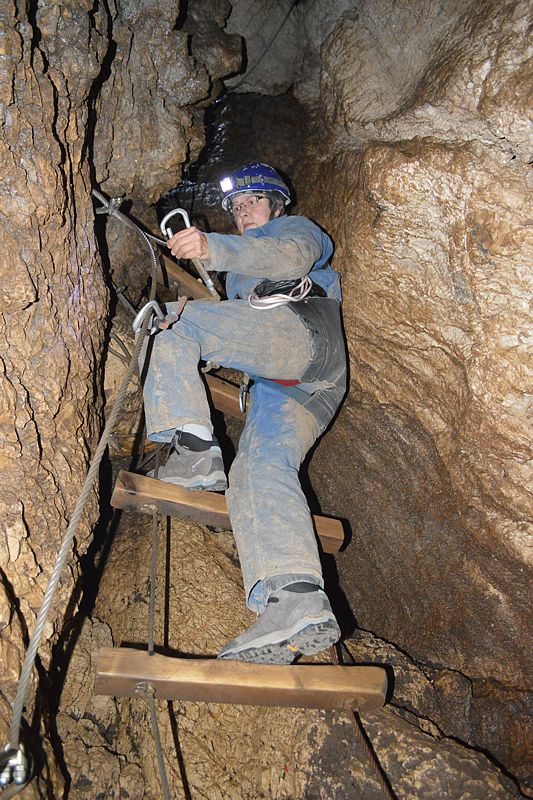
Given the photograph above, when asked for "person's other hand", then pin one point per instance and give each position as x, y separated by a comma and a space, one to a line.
189, 243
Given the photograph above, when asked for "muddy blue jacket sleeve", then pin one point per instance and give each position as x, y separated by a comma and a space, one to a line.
286, 247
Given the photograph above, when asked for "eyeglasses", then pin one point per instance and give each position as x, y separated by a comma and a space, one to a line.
250, 202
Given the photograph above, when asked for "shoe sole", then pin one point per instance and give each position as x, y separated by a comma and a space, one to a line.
313, 638
214, 483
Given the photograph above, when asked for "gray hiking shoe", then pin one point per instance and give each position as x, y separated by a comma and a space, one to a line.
298, 619
194, 464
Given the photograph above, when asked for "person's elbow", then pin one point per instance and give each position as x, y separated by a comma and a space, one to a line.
301, 255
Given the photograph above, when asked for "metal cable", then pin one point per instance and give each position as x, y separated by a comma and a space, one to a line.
159, 749
364, 742
31, 654
267, 48
379, 773
147, 691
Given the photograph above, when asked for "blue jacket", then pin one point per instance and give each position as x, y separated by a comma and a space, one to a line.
284, 248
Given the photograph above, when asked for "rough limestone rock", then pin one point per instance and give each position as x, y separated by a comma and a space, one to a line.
147, 120
382, 69
451, 71
90, 723
446, 703
54, 61
425, 189
228, 752
53, 302
272, 57
418, 169
283, 40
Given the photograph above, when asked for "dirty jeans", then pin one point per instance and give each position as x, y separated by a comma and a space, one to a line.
269, 513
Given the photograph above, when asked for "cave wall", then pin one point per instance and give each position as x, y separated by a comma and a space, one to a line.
424, 183
418, 169
54, 303
89, 93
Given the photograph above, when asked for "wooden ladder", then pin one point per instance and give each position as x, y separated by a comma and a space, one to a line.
121, 671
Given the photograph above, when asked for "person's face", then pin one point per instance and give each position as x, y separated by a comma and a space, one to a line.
250, 210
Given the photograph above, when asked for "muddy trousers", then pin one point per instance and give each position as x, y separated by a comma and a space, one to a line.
269, 513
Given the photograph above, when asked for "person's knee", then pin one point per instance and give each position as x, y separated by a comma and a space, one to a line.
265, 462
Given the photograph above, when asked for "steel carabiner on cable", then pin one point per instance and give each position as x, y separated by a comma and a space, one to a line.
166, 230
158, 317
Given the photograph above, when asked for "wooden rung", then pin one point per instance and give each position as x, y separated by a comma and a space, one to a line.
119, 670
225, 396
188, 285
138, 493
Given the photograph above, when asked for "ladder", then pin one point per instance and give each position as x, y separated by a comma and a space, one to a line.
120, 670
123, 671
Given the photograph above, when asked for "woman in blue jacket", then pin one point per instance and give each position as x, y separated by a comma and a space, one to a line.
281, 325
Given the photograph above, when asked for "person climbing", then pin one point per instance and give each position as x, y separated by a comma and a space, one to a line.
281, 325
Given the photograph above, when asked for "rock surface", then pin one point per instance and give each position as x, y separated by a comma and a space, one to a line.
425, 189
160, 71
53, 301
270, 30
418, 168
227, 752
55, 60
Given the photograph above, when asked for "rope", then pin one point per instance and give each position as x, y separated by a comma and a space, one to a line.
364, 742
300, 291
31, 654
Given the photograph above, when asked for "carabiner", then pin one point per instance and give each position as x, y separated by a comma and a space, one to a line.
167, 231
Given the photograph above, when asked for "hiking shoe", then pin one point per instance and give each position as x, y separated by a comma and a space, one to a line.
194, 463
298, 619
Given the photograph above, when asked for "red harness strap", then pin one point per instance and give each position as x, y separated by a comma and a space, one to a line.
286, 383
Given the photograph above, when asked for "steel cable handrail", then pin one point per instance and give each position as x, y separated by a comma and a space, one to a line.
31, 654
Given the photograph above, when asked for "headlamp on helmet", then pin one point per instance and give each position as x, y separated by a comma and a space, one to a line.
226, 184
255, 177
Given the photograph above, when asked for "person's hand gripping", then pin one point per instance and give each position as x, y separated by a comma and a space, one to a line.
189, 243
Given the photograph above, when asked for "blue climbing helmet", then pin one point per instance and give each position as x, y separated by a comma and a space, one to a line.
253, 178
